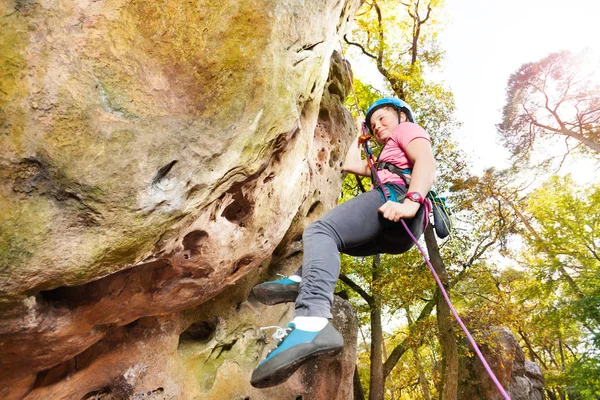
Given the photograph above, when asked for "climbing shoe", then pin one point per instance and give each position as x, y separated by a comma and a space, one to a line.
280, 291
296, 347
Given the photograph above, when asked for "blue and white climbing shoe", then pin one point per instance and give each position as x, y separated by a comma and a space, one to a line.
283, 290
295, 348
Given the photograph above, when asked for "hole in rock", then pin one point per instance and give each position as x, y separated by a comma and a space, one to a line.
98, 395
269, 178
313, 208
53, 375
238, 209
294, 134
193, 242
203, 331
308, 47
132, 324
62, 296
280, 145
163, 171
243, 262
146, 395
146, 277
228, 346
224, 348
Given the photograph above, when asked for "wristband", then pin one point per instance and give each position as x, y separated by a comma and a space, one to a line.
416, 197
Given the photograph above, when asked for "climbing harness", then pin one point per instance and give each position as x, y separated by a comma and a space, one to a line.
440, 202
442, 222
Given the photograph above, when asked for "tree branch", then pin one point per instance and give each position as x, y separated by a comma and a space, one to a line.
359, 183
360, 46
367, 297
400, 349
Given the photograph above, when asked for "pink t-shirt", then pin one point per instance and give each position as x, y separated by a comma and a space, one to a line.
394, 150
394, 153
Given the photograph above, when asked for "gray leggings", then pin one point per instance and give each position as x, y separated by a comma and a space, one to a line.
355, 228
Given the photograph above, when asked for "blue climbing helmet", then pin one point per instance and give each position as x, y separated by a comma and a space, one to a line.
398, 104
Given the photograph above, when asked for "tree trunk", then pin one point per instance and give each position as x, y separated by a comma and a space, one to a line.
551, 394
532, 354
358, 389
377, 385
415, 350
562, 394
449, 381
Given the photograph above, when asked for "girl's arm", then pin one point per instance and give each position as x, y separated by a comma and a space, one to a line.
353, 162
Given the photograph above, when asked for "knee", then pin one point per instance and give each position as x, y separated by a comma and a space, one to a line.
316, 228
311, 229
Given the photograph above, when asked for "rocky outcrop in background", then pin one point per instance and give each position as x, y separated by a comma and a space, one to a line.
521, 378
155, 155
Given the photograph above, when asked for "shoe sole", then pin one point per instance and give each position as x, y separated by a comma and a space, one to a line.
284, 372
271, 298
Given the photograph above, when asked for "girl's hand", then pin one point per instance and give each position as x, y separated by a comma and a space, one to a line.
397, 211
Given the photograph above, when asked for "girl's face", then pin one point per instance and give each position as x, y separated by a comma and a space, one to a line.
383, 122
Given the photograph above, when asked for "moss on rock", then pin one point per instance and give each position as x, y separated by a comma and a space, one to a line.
13, 40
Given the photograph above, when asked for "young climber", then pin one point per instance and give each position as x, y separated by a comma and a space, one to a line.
358, 227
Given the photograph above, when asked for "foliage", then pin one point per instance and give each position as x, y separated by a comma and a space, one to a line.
550, 298
568, 224
403, 46
555, 97
366, 95
583, 377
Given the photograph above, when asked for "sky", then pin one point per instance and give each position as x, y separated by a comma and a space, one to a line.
485, 42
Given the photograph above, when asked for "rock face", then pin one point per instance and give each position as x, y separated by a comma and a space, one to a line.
207, 352
154, 155
228, 377
523, 379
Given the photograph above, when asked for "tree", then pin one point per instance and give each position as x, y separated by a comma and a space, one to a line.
567, 219
555, 97
551, 299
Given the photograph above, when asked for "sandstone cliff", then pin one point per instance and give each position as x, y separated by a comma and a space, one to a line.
155, 154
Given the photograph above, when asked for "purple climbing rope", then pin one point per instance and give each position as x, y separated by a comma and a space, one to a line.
440, 285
